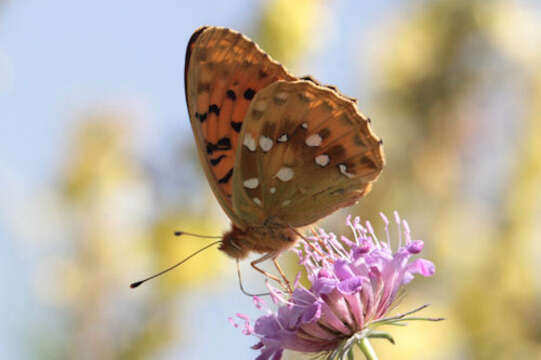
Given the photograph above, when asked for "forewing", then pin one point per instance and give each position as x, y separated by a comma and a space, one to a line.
224, 70
305, 152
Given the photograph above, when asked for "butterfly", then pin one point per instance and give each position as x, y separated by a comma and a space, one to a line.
279, 152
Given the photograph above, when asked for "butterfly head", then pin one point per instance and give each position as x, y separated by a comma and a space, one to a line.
238, 243
233, 243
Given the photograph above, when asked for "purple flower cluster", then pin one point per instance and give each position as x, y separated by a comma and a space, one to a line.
353, 286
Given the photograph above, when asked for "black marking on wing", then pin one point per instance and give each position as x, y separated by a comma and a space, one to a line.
222, 144
236, 126
226, 177
249, 94
231, 95
216, 161
201, 117
214, 109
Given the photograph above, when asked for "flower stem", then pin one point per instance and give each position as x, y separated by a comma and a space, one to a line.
367, 349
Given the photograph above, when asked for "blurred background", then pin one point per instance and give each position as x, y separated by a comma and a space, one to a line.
98, 167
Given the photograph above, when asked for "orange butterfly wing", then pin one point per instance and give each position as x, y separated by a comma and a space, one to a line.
224, 70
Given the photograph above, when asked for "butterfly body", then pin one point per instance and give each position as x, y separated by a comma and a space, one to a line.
238, 243
279, 152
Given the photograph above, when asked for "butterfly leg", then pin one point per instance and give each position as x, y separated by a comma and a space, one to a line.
284, 278
242, 287
268, 275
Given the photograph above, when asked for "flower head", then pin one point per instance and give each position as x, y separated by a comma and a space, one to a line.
354, 284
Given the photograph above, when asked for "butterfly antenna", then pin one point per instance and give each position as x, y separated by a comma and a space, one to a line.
242, 287
138, 283
180, 233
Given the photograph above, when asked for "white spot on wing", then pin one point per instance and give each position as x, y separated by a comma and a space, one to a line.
283, 138
257, 201
343, 170
266, 143
251, 183
284, 174
304, 125
282, 96
249, 142
272, 190
323, 160
313, 140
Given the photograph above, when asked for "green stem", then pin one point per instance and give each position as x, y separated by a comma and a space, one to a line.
367, 349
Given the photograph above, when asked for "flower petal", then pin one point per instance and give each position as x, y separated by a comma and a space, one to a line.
312, 313
257, 346
329, 319
342, 270
350, 286
289, 317
323, 286
303, 296
277, 355
267, 326
422, 266
415, 246
361, 249
356, 306
317, 333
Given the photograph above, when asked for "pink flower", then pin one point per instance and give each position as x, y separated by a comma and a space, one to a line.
354, 283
